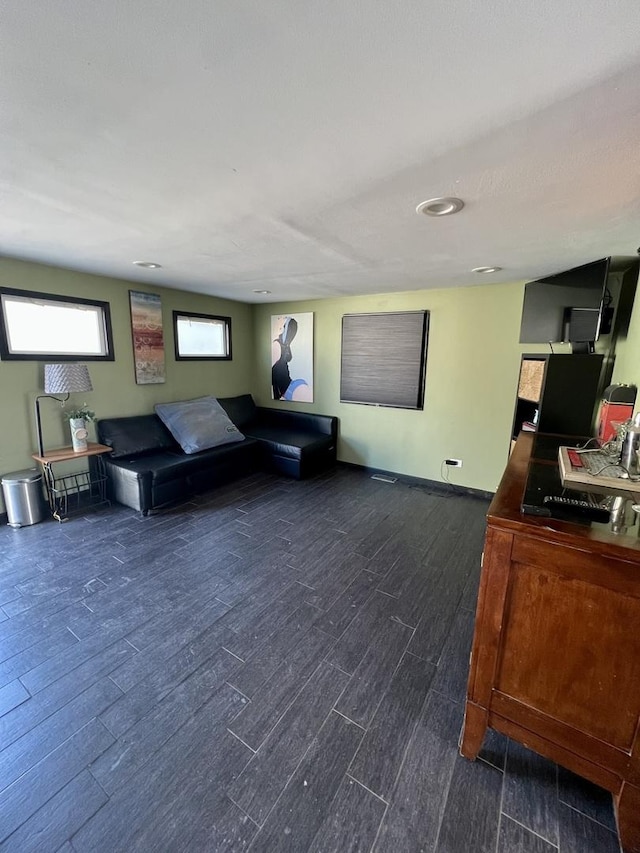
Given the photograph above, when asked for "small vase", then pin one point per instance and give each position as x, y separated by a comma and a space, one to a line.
78, 434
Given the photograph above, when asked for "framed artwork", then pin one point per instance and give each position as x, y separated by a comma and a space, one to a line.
292, 357
147, 336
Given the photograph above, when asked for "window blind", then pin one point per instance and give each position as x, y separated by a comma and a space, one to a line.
383, 359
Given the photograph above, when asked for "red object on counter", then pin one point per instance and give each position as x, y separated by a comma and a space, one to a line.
617, 407
610, 414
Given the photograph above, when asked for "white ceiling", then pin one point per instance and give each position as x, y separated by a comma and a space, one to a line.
285, 145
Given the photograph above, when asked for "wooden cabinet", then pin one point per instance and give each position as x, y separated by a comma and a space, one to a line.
555, 662
562, 389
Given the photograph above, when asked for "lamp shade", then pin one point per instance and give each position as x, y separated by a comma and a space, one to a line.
66, 378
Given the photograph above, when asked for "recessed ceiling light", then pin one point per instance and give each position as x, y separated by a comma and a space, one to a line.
444, 206
486, 270
147, 265
262, 291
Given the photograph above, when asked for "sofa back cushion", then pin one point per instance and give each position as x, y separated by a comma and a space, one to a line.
241, 410
198, 424
135, 436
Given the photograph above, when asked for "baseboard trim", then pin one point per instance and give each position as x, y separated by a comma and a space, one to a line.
435, 486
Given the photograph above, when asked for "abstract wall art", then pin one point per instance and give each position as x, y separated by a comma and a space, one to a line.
147, 336
292, 357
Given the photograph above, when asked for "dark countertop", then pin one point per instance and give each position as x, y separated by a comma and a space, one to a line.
532, 473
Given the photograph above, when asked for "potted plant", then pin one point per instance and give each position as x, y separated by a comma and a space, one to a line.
78, 419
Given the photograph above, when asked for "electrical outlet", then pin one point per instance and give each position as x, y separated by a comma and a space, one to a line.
454, 463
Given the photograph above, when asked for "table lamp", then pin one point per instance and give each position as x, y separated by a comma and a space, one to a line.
61, 379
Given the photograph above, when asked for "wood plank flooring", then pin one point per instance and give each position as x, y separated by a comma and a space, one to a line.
274, 666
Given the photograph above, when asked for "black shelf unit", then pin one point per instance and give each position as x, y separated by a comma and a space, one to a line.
565, 393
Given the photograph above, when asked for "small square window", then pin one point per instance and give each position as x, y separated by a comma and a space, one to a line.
201, 336
41, 326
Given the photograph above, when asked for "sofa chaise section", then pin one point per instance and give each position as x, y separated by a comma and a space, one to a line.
296, 444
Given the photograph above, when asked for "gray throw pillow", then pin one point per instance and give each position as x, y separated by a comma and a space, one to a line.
198, 424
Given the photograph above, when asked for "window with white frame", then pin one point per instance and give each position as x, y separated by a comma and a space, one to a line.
201, 336
40, 326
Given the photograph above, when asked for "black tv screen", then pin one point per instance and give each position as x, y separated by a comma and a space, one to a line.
549, 304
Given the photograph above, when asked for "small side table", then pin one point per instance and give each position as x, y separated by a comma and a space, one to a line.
77, 492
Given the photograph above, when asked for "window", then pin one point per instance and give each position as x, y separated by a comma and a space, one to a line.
384, 359
201, 336
41, 327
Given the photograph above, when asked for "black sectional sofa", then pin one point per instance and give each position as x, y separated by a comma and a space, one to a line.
292, 443
148, 469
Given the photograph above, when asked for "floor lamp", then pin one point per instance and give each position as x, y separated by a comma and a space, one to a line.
61, 379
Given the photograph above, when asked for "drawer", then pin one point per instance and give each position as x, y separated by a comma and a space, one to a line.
592, 568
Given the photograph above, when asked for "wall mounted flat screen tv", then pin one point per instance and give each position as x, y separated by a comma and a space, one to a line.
566, 306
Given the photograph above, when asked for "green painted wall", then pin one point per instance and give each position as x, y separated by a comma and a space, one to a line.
472, 371
115, 390
473, 362
627, 365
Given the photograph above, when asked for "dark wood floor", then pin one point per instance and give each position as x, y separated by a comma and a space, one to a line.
275, 666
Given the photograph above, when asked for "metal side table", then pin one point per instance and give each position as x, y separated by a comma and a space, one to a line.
77, 492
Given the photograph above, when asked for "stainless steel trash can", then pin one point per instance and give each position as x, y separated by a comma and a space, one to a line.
23, 497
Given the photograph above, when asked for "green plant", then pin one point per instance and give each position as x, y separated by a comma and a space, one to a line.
81, 413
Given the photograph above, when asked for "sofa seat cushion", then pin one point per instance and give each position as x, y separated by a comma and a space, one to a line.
144, 465
291, 443
174, 467
165, 467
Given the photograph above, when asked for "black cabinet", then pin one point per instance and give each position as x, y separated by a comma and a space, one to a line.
557, 393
